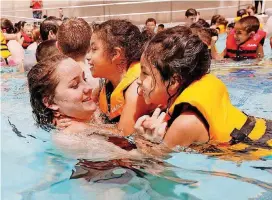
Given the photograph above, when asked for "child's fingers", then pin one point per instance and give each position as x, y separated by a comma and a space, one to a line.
161, 117
156, 113
140, 121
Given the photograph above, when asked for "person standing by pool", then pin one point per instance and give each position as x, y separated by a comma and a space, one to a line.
36, 5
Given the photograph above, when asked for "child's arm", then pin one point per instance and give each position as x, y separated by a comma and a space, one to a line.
134, 108
214, 53
260, 52
185, 130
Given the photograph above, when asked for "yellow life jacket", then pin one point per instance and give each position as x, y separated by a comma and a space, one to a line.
222, 28
117, 99
5, 53
227, 123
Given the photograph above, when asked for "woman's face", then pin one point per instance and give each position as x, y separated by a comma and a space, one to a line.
98, 58
151, 86
73, 94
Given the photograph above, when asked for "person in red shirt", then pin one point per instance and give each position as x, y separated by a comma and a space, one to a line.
36, 5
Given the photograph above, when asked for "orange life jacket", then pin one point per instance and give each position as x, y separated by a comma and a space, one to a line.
114, 108
247, 49
226, 123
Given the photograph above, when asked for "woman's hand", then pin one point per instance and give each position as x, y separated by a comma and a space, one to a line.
152, 128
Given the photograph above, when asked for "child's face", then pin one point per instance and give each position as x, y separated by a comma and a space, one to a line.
228, 30
100, 63
250, 12
28, 31
240, 34
151, 26
160, 29
151, 86
191, 19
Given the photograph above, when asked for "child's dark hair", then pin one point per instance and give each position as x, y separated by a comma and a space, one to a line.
161, 25
214, 19
231, 25
222, 21
47, 26
241, 12
46, 49
203, 23
42, 82
123, 34
250, 23
147, 35
7, 25
176, 51
191, 12
73, 36
150, 20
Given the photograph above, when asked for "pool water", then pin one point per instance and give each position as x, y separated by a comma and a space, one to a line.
32, 169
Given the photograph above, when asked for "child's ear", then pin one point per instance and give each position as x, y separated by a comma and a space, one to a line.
49, 105
175, 83
252, 33
117, 52
58, 46
52, 35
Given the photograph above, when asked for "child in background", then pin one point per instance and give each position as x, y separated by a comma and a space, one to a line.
150, 24
27, 35
46, 49
73, 40
244, 42
116, 47
36, 40
160, 28
230, 27
191, 16
240, 14
175, 76
221, 25
213, 21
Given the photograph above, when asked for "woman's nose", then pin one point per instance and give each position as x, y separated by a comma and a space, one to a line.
87, 89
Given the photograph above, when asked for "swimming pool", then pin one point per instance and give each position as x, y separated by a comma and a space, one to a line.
32, 168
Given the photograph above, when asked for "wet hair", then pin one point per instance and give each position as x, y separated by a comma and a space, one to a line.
147, 35
231, 25
50, 24
176, 51
206, 34
123, 34
150, 20
214, 19
241, 12
46, 49
161, 25
191, 12
203, 23
42, 82
252, 8
7, 25
222, 21
250, 23
74, 37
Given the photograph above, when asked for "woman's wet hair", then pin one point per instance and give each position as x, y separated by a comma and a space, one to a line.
42, 82
178, 52
7, 25
123, 34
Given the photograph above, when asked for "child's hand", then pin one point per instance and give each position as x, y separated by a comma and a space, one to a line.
61, 122
214, 39
152, 128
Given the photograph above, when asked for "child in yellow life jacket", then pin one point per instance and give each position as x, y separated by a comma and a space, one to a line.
175, 76
5, 53
114, 56
244, 42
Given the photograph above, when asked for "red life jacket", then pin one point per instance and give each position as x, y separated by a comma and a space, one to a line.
27, 40
247, 49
